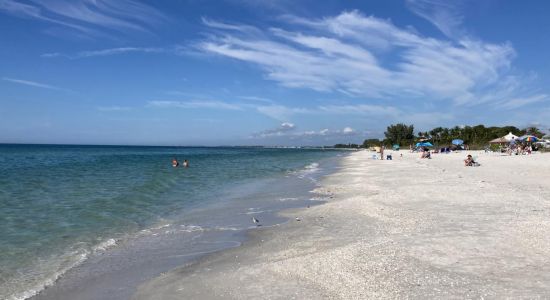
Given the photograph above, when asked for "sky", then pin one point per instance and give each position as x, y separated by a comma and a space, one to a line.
272, 72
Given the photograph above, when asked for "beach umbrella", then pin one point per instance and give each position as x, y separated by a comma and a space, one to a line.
529, 138
457, 142
424, 144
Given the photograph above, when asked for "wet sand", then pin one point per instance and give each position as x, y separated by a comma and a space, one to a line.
406, 228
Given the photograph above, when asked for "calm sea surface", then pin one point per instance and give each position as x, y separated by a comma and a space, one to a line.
61, 204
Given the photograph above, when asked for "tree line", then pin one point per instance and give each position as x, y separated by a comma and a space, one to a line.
475, 136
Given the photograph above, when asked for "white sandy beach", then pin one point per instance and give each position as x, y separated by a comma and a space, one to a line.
406, 228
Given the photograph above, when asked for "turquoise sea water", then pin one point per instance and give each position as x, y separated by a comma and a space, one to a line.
61, 204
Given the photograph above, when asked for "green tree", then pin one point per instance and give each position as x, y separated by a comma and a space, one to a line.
533, 131
371, 143
400, 134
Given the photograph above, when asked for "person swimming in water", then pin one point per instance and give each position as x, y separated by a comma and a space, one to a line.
175, 162
185, 163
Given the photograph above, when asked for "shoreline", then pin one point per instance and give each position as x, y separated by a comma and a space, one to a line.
116, 272
392, 229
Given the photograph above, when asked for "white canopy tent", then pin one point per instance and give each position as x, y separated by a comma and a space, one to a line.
510, 137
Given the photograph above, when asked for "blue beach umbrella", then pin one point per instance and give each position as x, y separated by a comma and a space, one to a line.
424, 144
457, 142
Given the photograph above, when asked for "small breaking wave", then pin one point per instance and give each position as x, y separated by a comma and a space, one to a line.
103, 246
73, 260
289, 199
307, 171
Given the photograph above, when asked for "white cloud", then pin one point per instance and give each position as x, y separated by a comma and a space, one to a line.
348, 53
287, 126
348, 130
288, 130
280, 112
445, 15
520, 102
363, 109
285, 113
257, 99
88, 16
114, 51
50, 55
34, 84
114, 108
284, 129
108, 52
194, 104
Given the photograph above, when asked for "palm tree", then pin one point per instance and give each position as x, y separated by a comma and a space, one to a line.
533, 131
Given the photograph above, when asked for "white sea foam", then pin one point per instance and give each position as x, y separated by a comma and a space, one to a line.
71, 260
104, 245
190, 228
46, 282
160, 226
289, 199
224, 228
318, 199
154, 231
309, 170
306, 171
254, 212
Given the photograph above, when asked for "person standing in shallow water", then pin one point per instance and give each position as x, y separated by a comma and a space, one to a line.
175, 162
185, 163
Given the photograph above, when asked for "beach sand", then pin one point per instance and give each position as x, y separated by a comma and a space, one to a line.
405, 228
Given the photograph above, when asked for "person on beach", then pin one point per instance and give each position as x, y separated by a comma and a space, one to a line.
382, 152
185, 163
425, 153
175, 162
470, 162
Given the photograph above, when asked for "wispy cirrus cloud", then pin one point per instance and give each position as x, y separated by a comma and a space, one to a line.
35, 84
106, 52
281, 112
520, 102
362, 109
348, 54
114, 108
93, 17
192, 104
445, 15
257, 99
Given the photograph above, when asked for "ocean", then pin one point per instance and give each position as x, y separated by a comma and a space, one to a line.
94, 218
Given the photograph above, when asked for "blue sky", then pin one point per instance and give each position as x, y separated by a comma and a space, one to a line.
251, 72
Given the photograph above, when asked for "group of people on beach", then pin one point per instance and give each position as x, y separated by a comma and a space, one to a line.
175, 163
519, 149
